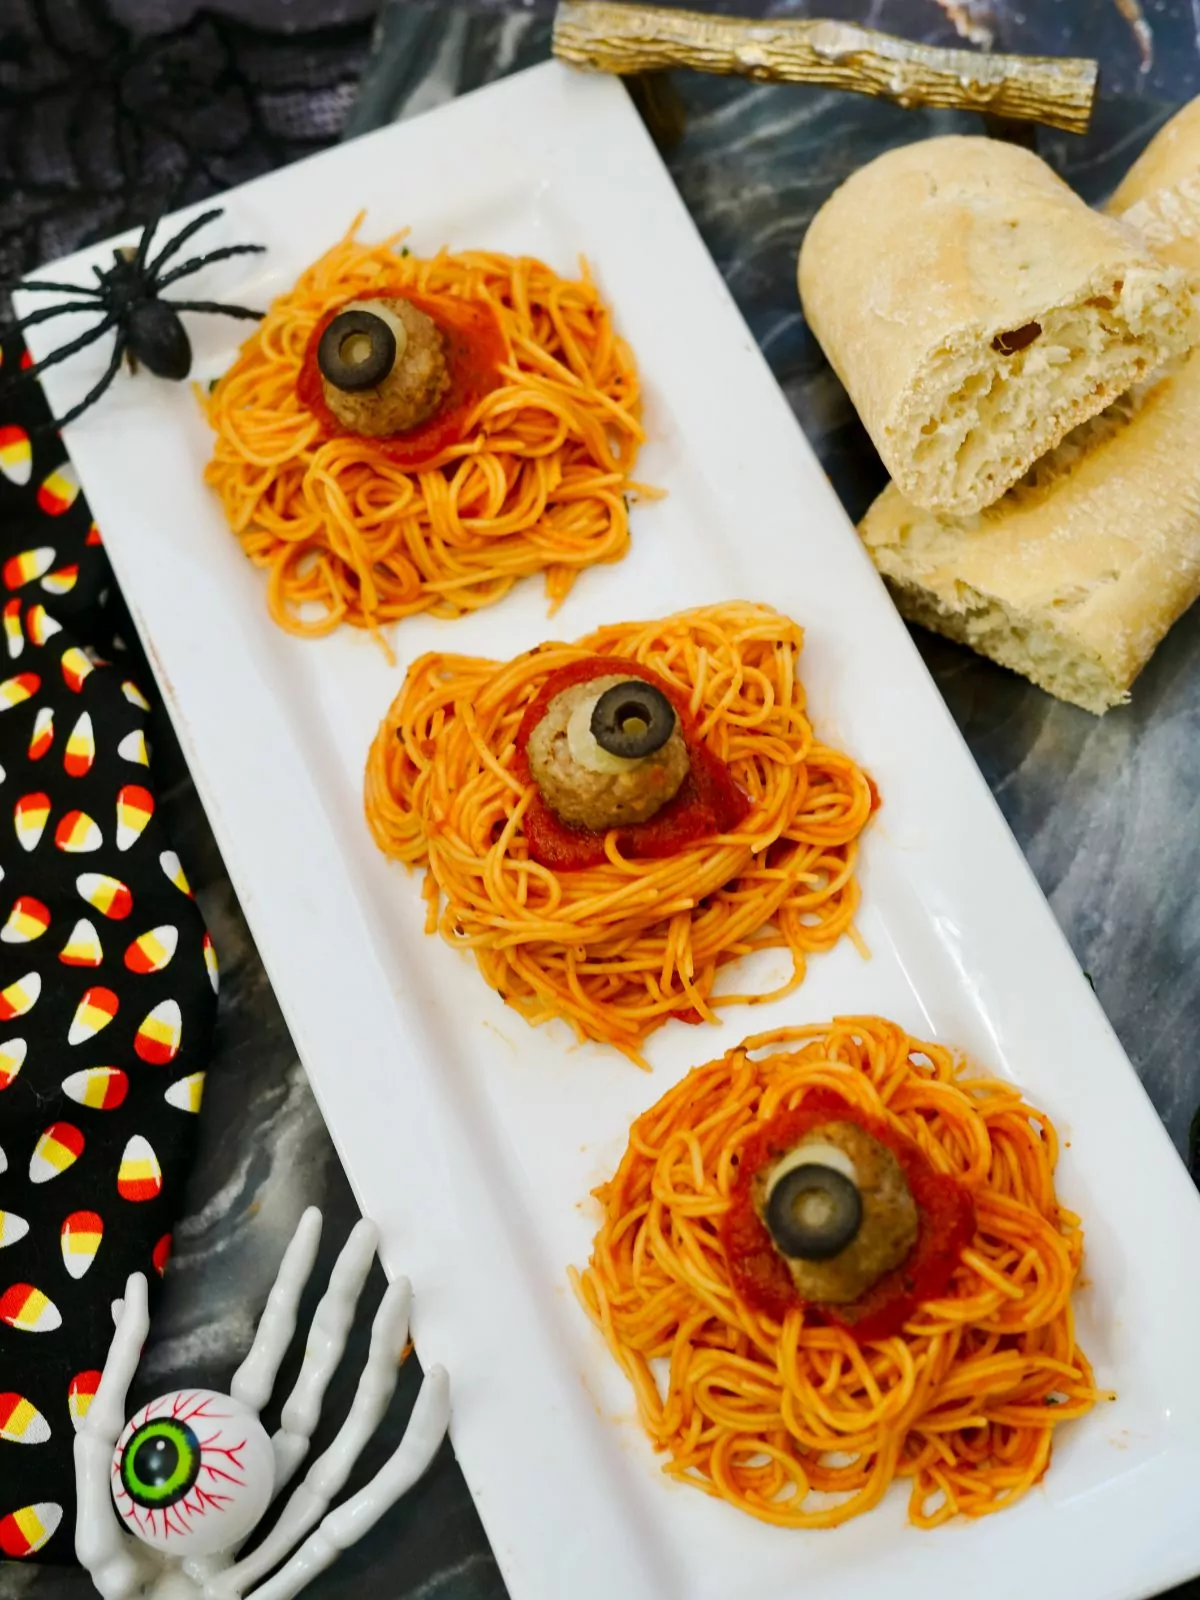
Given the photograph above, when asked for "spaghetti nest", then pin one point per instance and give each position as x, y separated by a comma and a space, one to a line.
617, 948
794, 1421
537, 482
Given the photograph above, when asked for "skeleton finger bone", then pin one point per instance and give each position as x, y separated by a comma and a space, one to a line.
255, 1378
327, 1476
348, 1524
106, 1414
326, 1343
118, 1566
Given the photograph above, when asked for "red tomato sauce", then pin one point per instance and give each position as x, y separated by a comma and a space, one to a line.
946, 1226
475, 351
708, 801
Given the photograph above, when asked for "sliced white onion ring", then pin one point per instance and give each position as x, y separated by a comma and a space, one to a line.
377, 308
817, 1152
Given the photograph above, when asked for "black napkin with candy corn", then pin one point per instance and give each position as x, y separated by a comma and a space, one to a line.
107, 978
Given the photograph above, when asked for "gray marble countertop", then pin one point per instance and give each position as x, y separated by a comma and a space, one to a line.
1104, 810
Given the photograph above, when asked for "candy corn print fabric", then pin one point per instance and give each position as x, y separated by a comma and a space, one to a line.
107, 981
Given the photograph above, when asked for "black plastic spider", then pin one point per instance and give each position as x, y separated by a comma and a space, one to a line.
149, 329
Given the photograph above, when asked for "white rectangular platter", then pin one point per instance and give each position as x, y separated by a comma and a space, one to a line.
473, 1139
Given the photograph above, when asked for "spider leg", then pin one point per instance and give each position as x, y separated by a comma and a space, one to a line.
47, 312
323, 1350
182, 237
116, 1564
186, 269
345, 1526
217, 309
255, 1378
61, 353
327, 1476
40, 286
143, 245
97, 389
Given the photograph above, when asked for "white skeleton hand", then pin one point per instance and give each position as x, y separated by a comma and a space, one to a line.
193, 1473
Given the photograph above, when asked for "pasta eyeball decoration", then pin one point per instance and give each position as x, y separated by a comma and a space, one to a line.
406, 434
607, 825
829, 1260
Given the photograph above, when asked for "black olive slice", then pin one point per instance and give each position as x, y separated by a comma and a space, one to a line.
632, 719
357, 351
813, 1212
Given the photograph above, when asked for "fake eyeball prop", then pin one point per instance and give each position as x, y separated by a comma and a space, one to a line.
193, 1472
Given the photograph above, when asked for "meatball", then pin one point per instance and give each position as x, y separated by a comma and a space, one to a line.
889, 1214
412, 390
584, 784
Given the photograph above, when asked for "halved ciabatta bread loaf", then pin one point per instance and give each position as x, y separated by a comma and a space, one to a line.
977, 311
1077, 573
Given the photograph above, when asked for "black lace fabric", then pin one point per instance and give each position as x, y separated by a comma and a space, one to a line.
111, 109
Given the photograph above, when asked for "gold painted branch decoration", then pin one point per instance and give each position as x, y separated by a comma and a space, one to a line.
628, 39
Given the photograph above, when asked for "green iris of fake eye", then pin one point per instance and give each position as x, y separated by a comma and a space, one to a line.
161, 1463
